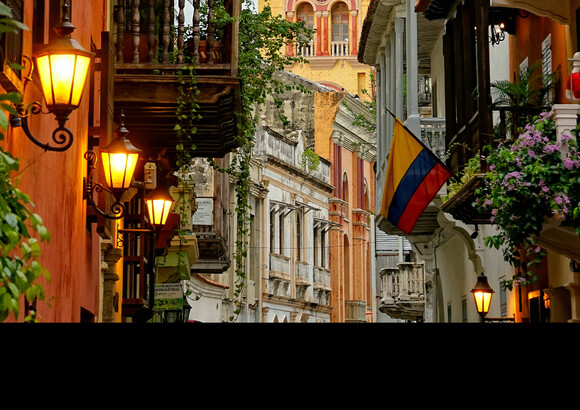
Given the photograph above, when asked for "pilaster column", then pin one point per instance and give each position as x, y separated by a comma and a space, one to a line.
319, 30
325, 33
399, 30
353, 33
565, 116
413, 120
109, 257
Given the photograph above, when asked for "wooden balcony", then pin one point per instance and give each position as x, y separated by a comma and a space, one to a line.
152, 42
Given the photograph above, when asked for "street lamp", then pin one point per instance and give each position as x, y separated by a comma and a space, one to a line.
119, 160
159, 203
62, 68
482, 294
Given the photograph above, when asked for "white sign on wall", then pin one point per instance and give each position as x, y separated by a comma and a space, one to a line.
204, 213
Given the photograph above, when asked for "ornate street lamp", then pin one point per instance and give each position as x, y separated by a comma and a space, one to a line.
482, 294
62, 67
159, 203
119, 160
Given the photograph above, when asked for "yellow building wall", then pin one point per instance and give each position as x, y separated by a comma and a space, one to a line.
341, 73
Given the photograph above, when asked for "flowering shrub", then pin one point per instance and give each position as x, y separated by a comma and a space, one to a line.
535, 177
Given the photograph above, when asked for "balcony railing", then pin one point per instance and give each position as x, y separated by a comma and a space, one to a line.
403, 291
355, 311
433, 135
156, 32
306, 51
339, 48
321, 278
302, 273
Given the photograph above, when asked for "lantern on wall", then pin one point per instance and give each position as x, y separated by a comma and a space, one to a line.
159, 203
482, 294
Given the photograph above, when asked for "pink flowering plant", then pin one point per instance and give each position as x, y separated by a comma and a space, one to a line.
535, 177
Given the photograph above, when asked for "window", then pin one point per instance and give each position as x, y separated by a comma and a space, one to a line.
299, 252
340, 16
11, 45
323, 258
281, 233
272, 231
502, 297
304, 13
317, 251
464, 309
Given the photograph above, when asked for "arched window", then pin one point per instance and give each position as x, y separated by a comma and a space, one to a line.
305, 13
340, 17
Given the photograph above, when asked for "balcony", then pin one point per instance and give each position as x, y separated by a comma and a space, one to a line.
321, 285
279, 279
151, 42
355, 311
302, 279
403, 295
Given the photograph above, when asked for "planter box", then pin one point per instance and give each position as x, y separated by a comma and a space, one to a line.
460, 205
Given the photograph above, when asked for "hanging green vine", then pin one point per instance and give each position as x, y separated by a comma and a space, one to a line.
19, 249
262, 39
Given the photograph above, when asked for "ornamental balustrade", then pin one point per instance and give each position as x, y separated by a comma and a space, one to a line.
355, 311
433, 135
339, 48
156, 32
306, 50
403, 295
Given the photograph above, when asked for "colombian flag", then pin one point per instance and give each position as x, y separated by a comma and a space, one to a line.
414, 176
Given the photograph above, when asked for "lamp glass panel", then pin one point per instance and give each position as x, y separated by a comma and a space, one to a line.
63, 77
158, 210
81, 71
119, 168
482, 301
43, 65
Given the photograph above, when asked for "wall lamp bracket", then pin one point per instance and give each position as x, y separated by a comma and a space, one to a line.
61, 136
117, 210
63, 67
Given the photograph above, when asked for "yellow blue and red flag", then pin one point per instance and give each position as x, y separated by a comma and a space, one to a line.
414, 176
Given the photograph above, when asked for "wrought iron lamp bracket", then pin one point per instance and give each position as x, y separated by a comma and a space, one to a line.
61, 136
117, 210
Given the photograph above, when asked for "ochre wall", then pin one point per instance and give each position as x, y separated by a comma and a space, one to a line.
54, 181
530, 32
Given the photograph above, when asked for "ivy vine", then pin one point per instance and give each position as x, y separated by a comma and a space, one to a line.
19, 246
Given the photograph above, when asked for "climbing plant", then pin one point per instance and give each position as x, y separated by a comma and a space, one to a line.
262, 39
19, 247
